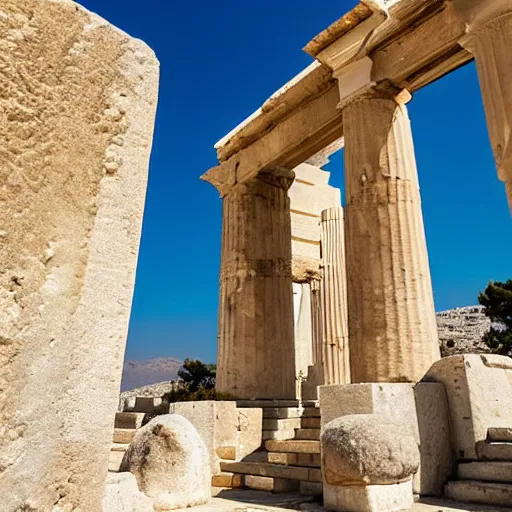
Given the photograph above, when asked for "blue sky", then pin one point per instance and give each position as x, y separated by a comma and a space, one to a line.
219, 61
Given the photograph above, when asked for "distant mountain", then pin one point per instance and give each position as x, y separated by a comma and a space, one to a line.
460, 331
137, 374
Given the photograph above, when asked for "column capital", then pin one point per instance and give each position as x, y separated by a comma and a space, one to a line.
480, 15
382, 91
279, 177
477, 13
224, 177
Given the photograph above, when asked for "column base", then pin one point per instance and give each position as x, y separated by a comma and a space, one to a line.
369, 498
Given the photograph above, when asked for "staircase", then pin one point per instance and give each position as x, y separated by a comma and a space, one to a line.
290, 460
488, 480
125, 426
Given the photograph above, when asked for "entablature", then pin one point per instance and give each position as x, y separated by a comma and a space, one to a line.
400, 44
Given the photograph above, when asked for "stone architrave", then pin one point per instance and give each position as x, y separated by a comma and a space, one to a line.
256, 343
489, 38
77, 111
336, 357
392, 323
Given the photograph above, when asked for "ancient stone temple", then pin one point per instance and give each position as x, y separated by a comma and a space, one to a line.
363, 303
361, 339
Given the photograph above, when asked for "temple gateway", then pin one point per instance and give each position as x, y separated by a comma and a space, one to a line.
311, 293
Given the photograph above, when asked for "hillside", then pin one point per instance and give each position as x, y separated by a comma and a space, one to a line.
137, 374
461, 330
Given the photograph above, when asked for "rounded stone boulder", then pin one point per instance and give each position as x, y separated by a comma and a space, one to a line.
367, 449
170, 462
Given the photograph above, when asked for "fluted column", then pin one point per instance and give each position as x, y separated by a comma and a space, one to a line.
316, 321
336, 362
256, 345
490, 40
392, 323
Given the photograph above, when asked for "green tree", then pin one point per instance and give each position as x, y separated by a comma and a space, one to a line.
197, 383
197, 375
497, 301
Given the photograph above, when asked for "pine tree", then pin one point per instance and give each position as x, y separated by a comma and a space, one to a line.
497, 301
197, 374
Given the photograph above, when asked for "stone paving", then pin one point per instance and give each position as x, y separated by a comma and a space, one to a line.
259, 501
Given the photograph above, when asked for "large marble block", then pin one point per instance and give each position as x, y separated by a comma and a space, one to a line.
77, 107
479, 390
421, 406
229, 433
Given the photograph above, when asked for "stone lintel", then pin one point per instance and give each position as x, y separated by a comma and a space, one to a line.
306, 85
344, 49
301, 119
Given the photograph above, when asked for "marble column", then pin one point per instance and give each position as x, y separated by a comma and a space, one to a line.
392, 322
490, 40
336, 363
317, 321
256, 343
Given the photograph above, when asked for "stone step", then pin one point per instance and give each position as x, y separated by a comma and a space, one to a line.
311, 412
228, 480
119, 447
310, 422
260, 456
282, 412
273, 471
475, 491
277, 434
294, 459
311, 488
486, 471
500, 434
124, 435
307, 434
266, 483
267, 404
281, 423
116, 457
494, 451
293, 446
129, 419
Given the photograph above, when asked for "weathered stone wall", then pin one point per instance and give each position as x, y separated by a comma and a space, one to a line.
77, 105
309, 195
